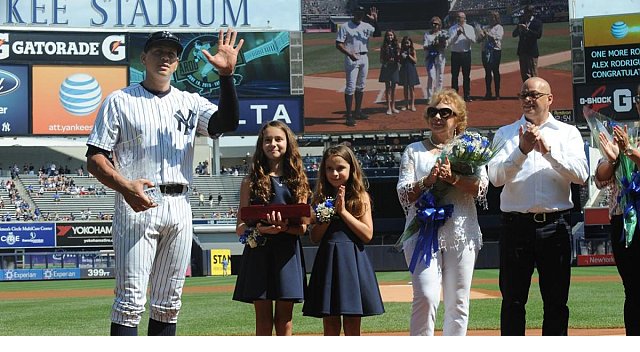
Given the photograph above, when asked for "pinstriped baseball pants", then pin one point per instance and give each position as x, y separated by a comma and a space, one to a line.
152, 248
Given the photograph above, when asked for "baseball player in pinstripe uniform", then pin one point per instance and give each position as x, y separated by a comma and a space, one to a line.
152, 242
352, 40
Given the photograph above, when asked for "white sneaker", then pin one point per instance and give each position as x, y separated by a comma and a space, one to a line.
395, 111
389, 112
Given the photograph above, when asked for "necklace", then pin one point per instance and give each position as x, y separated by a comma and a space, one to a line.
277, 179
437, 145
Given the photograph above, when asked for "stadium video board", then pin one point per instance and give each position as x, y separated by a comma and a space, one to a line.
262, 76
326, 71
612, 66
72, 44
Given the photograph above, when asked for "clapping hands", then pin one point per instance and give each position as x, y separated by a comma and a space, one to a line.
532, 139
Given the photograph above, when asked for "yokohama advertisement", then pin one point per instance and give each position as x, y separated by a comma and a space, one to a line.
85, 234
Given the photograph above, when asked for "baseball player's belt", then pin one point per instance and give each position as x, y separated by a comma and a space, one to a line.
173, 188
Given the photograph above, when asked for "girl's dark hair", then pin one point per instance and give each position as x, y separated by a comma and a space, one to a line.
355, 188
408, 39
293, 174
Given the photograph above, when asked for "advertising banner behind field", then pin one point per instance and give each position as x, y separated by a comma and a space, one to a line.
84, 234
218, 256
255, 112
614, 100
612, 47
66, 99
612, 30
14, 92
40, 274
21, 274
27, 235
64, 47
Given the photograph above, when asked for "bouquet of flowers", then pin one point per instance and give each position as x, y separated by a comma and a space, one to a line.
439, 43
253, 238
441, 37
466, 152
469, 151
598, 124
325, 211
626, 174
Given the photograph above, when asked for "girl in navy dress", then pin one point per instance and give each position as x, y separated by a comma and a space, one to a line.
408, 72
272, 268
389, 71
343, 282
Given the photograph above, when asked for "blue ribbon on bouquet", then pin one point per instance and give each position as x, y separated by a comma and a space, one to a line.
431, 58
630, 194
430, 218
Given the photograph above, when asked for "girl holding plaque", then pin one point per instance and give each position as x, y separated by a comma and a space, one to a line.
272, 264
343, 282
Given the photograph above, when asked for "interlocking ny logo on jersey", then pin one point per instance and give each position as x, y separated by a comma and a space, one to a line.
188, 122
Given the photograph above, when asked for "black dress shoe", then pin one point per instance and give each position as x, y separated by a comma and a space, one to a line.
351, 121
361, 116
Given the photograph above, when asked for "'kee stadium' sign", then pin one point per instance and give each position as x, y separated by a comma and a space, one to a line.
145, 14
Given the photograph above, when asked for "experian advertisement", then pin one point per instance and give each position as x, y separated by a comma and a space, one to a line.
27, 235
66, 99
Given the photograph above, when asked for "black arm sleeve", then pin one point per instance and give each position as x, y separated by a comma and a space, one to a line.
376, 29
93, 150
228, 114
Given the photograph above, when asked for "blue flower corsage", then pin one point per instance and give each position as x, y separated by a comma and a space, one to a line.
253, 238
325, 211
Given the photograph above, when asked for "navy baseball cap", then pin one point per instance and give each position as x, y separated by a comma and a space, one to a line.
163, 37
359, 9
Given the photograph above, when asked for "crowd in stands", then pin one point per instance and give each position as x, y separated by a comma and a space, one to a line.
368, 156
50, 169
325, 7
235, 170
22, 210
466, 5
202, 168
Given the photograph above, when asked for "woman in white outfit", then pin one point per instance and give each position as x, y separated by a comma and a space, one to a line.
435, 41
459, 238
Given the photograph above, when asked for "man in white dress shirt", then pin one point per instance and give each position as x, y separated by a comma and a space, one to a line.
540, 159
461, 35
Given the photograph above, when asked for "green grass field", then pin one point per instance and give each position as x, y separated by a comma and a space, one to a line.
321, 56
593, 304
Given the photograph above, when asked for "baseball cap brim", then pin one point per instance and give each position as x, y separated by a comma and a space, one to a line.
165, 38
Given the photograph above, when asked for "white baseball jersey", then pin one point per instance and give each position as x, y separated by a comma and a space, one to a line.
355, 36
153, 245
168, 126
